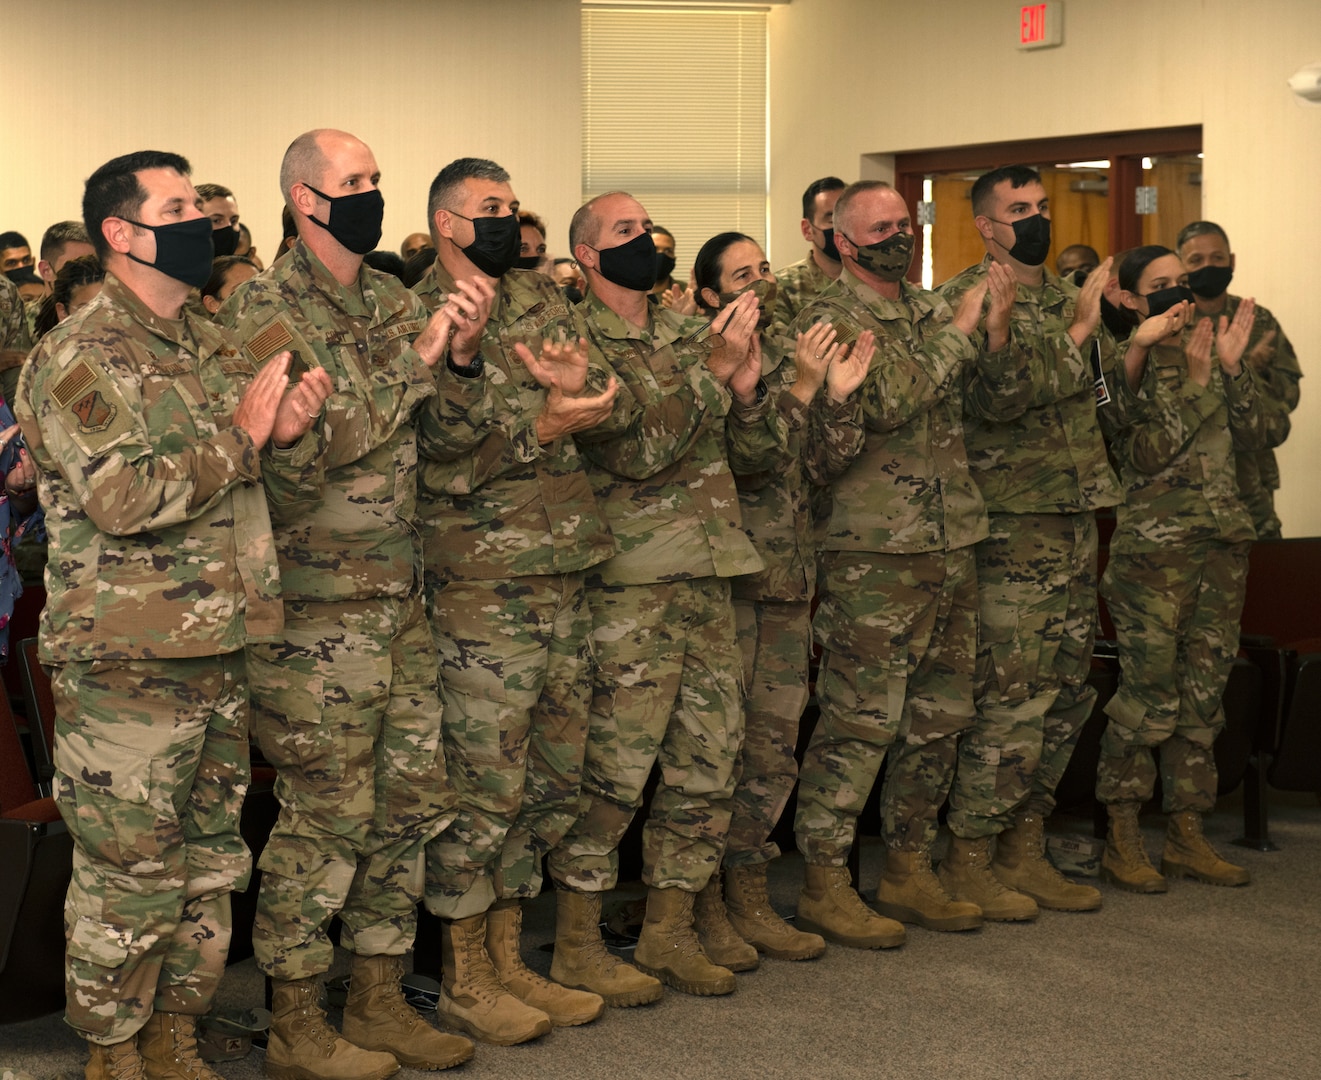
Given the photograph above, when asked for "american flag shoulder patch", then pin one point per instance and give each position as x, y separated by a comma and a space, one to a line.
273, 339
76, 382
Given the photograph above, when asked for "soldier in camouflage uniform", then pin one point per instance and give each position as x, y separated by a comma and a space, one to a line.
772, 607
798, 283
1204, 250
15, 337
897, 616
151, 458
510, 523
345, 704
668, 683
1178, 566
1037, 453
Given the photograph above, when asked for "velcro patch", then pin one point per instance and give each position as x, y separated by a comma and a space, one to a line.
76, 382
94, 412
408, 326
273, 339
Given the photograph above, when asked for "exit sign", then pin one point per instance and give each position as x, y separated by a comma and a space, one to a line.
1040, 25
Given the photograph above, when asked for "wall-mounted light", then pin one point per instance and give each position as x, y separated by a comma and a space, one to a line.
1306, 83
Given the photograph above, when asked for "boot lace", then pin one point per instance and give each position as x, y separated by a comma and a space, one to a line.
123, 1061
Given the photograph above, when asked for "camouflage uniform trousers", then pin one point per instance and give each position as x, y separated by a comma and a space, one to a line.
775, 639
151, 768
1176, 615
516, 666
898, 635
1037, 582
346, 709
668, 690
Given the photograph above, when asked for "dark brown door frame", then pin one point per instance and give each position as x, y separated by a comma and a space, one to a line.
1124, 150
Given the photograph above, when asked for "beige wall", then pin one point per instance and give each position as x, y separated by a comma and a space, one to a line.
424, 81
421, 81
946, 73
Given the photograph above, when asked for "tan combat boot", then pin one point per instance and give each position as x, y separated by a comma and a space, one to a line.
668, 947
303, 1046
376, 1017
1124, 861
755, 921
565, 1007
720, 941
118, 1061
472, 995
910, 892
1021, 864
168, 1045
584, 963
831, 907
965, 872
1188, 853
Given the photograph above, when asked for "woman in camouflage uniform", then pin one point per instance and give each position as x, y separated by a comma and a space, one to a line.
1178, 565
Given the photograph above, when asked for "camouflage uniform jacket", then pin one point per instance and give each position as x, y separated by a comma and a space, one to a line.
816, 441
357, 537
15, 337
1175, 442
797, 284
504, 505
159, 533
1277, 392
661, 466
909, 489
1037, 448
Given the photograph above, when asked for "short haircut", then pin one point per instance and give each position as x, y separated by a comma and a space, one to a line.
114, 190
1200, 228
386, 262
207, 192
818, 187
219, 268
706, 267
662, 230
851, 192
54, 239
982, 190
1082, 249
13, 239
447, 187
527, 217
586, 222
1137, 260
304, 161
417, 265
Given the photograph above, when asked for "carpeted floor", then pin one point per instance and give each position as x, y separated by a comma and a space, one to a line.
1199, 983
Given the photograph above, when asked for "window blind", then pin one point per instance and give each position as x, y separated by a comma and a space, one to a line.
674, 112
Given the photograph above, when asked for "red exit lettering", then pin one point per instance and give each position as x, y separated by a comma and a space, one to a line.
1032, 24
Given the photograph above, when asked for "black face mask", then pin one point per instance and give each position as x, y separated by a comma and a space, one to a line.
631, 265
828, 249
664, 264
765, 292
1031, 239
1208, 282
889, 259
355, 220
1160, 301
495, 245
527, 262
225, 241
573, 294
183, 250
